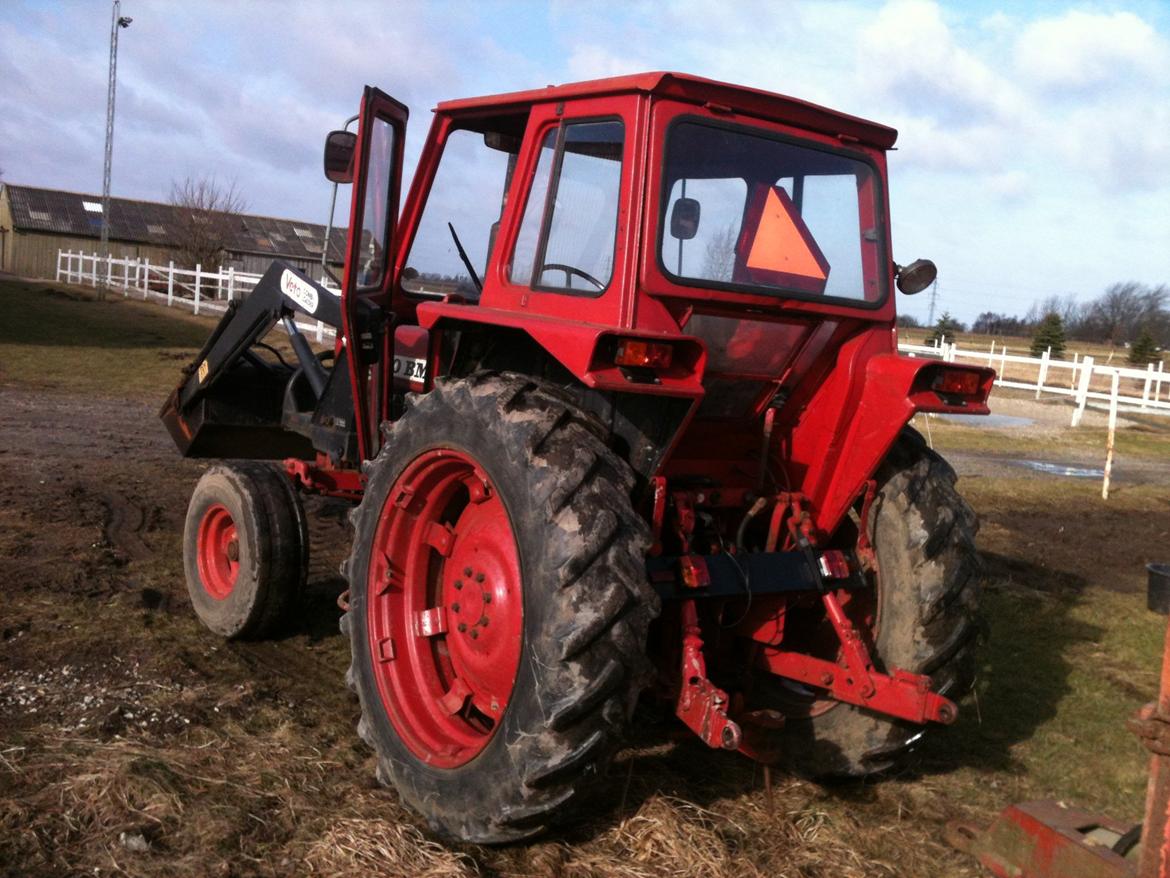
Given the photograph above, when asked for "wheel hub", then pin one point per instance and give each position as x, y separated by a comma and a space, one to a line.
445, 609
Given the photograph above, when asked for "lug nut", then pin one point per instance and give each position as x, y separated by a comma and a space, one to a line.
458, 584
484, 621
466, 571
462, 627
233, 550
479, 577
474, 633
487, 597
454, 608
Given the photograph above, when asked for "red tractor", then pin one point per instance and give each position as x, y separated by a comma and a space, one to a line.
618, 399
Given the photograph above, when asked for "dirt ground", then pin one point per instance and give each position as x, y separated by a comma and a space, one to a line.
133, 742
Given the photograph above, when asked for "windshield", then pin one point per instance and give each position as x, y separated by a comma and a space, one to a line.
745, 209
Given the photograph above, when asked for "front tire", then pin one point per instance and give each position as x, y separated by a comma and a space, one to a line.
245, 549
492, 717
928, 620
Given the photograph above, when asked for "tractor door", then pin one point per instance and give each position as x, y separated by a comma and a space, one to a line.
366, 317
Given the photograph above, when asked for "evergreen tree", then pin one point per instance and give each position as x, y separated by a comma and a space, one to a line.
1049, 334
945, 330
1144, 349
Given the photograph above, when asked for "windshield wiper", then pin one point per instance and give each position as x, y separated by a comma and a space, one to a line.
463, 255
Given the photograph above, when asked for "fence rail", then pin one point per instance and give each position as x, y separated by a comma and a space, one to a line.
195, 289
1083, 379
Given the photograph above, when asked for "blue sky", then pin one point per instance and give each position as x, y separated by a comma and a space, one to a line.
1034, 148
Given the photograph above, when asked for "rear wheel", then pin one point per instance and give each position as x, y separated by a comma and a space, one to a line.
499, 606
925, 608
245, 549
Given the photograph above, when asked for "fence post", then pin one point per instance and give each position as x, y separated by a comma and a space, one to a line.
999, 377
991, 354
1072, 373
1043, 370
95, 268
1158, 382
126, 276
1146, 386
231, 282
146, 279
171, 283
198, 280
1082, 396
1112, 430
320, 332
57, 276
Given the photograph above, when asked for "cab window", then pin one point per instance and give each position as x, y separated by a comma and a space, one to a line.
569, 230
463, 210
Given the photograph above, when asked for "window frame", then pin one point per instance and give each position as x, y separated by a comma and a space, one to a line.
776, 293
550, 204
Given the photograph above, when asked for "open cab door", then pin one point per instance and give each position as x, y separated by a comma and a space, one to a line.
366, 284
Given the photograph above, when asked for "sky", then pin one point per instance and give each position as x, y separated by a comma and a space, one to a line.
1033, 156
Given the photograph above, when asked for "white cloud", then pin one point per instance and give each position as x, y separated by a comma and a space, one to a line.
1084, 51
910, 57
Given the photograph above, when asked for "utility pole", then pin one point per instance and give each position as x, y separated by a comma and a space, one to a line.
117, 20
933, 299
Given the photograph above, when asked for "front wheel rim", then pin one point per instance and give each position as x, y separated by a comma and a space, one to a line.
218, 552
444, 613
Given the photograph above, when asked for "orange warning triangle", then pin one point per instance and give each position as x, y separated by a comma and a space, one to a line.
780, 244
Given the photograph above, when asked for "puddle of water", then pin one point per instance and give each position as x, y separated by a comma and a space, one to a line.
993, 421
1061, 469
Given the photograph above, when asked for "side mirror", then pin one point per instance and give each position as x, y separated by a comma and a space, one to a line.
915, 277
684, 219
339, 149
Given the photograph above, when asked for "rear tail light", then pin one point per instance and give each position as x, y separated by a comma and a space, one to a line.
637, 352
957, 382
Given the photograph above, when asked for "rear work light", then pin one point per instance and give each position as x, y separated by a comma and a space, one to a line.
637, 352
956, 382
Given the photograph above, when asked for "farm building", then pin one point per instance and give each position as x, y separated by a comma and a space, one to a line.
36, 223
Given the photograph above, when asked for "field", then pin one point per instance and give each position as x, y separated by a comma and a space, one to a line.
132, 742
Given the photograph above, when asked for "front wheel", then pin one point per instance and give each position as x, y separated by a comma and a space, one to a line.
499, 606
245, 549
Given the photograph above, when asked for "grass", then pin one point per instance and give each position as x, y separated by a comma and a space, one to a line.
63, 339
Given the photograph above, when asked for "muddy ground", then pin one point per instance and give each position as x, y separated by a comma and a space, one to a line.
133, 742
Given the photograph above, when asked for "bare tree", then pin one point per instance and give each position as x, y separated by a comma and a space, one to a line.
205, 219
719, 257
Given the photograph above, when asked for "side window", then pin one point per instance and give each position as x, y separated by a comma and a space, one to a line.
569, 230
464, 204
372, 264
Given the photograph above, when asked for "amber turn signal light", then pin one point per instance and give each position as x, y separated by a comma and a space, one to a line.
637, 352
956, 382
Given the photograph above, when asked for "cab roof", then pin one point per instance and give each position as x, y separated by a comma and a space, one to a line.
694, 89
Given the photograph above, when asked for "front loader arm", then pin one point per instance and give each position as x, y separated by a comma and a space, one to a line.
231, 402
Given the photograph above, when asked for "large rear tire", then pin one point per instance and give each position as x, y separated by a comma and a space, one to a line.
498, 606
245, 549
928, 622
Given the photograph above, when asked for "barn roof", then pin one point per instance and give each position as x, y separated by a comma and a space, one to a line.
151, 222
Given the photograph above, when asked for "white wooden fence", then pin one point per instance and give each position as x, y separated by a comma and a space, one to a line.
1132, 389
1080, 378
197, 290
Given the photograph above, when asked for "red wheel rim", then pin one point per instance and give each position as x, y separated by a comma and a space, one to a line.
444, 612
218, 554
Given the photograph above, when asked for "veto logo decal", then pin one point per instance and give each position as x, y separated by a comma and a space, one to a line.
412, 370
301, 292
204, 368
